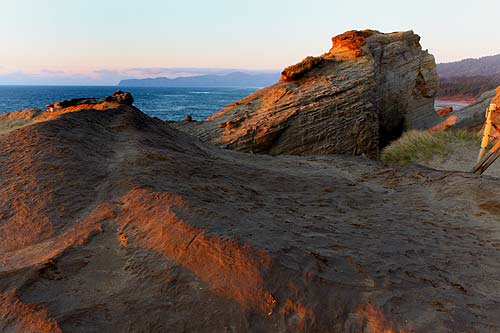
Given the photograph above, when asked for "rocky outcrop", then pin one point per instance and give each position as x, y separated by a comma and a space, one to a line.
352, 100
119, 97
473, 116
22, 118
445, 110
112, 221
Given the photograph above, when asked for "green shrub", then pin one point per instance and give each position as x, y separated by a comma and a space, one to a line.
420, 146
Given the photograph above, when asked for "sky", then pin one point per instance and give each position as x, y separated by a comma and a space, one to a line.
103, 41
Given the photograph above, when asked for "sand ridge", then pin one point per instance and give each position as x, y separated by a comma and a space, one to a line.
123, 223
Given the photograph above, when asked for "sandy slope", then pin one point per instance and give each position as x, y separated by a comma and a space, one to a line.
462, 157
111, 221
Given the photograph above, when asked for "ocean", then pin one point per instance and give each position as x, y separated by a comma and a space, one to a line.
164, 103
438, 104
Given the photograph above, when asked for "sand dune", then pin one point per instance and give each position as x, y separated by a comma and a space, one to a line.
114, 221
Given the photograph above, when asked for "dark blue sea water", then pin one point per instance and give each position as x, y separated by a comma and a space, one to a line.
164, 103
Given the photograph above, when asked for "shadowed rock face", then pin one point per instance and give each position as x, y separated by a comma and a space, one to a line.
352, 100
112, 221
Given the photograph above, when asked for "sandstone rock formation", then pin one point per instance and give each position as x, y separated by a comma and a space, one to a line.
445, 110
13, 120
473, 116
112, 221
118, 96
352, 100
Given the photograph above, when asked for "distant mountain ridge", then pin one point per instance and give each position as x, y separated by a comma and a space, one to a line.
469, 78
234, 79
485, 66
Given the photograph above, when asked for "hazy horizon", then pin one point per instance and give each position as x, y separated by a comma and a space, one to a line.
112, 78
101, 43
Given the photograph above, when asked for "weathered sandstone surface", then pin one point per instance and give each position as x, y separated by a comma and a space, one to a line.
473, 116
111, 221
352, 100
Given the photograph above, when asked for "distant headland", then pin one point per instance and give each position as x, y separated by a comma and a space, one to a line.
234, 79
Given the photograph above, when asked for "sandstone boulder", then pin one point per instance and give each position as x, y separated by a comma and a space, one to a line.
123, 97
352, 100
445, 110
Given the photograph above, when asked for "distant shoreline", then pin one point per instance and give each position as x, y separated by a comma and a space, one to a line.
456, 99
456, 102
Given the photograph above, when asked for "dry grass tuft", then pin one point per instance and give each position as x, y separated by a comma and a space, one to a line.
419, 146
18, 119
10, 124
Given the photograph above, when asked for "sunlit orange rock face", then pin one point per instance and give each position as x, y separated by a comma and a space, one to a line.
354, 100
496, 99
445, 124
112, 221
349, 45
376, 321
445, 110
495, 115
25, 317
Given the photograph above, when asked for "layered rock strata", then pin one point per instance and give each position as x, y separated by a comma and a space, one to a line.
352, 100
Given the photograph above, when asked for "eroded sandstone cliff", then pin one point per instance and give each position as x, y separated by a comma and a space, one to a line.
352, 100
111, 221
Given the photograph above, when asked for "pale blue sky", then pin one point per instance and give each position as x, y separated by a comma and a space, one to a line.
80, 36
